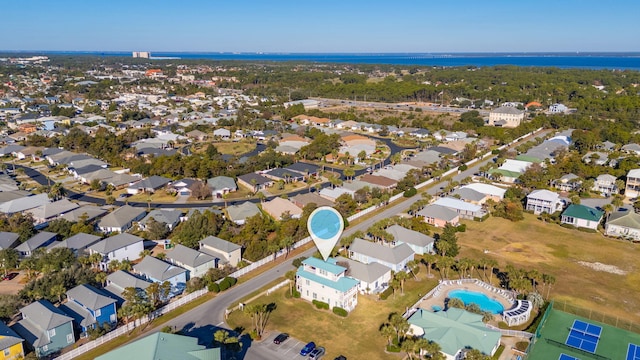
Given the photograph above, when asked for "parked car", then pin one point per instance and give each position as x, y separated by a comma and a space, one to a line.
341, 357
10, 276
307, 348
280, 338
316, 353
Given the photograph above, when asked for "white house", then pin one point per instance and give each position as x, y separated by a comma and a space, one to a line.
544, 201
395, 258
582, 216
373, 278
120, 247
506, 116
623, 223
327, 282
632, 189
222, 133
418, 242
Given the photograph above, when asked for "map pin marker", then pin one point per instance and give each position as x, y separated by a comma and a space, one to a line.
325, 226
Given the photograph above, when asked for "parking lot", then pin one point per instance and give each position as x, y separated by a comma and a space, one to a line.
290, 349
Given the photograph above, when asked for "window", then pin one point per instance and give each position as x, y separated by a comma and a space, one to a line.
69, 338
52, 333
45, 348
307, 282
315, 296
7, 352
98, 312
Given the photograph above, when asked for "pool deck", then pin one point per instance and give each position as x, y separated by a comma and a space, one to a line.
441, 293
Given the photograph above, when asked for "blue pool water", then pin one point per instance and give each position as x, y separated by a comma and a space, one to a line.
482, 300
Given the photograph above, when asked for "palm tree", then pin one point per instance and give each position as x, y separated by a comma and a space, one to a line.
387, 331
291, 276
413, 265
550, 281
101, 277
56, 191
492, 264
428, 260
401, 277
58, 290
95, 259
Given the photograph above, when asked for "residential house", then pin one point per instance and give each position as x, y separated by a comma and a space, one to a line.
506, 116
595, 158
195, 262
159, 271
221, 185
197, 135
79, 243
161, 345
395, 258
379, 181
8, 240
121, 219
327, 282
119, 280
50, 211
10, 344
303, 199
84, 213
22, 204
558, 108
623, 223
332, 194
569, 182
184, 186
510, 170
372, 278
632, 188
148, 185
605, 184
90, 307
120, 247
227, 252
464, 209
279, 208
456, 331
41, 239
45, 328
418, 242
280, 174
491, 192
303, 168
254, 182
240, 213
581, 216
222, 133
170, 217
633, 149
439, 216
544, 201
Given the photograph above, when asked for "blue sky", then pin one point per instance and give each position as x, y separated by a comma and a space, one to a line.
320, 26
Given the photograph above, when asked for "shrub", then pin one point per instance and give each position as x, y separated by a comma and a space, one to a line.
385, 294
214, 287
461, 228
320, 304
393, 348
346, 222
463, 167
410, 192
232, 281
587, 230
296, 294
568, 226
297, 262
340, 311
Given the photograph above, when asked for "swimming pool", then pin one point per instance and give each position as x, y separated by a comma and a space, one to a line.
482, 300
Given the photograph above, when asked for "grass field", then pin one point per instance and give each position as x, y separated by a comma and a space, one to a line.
551, 249
234, 148
304, 322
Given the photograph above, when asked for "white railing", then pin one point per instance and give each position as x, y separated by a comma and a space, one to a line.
507, 332
122, 330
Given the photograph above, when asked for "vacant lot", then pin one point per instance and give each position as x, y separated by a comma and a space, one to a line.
612, 286
356, 336
234, 148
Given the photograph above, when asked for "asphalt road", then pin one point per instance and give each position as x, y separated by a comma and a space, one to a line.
204, 320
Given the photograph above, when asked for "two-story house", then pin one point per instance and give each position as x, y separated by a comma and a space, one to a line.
418, 242
41, 239
227, 252
119, 280
327, 282
45, 328
395, 258
568, 182
544, 201
632, 188
605, 184
158, 271
121, 219
120, 247
10, 344
90, 307
195, 262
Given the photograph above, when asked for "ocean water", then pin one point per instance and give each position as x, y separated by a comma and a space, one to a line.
613, 61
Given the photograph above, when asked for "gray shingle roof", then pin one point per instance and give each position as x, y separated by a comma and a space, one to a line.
24, 203
7, 239
259, 179
223, 246
242, 211
469, 194
164, 216
89, 297
364, 272
189, 256
52, 209
438, 212
409, 236
157, 269
40, 316
152, 182
91, 212
393, 255
76, 242
123, 280
221, 183
121, 216
115, 242
36, 241
9, 337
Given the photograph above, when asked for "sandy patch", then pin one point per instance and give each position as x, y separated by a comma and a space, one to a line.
612, 269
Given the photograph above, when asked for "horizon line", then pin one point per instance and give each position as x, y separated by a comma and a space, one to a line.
328, 52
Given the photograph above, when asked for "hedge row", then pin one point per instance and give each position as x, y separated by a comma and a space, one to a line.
340, 311
224, 284
320, 304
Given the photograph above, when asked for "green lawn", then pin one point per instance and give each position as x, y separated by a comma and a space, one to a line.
234, 148
551, 249
356, 336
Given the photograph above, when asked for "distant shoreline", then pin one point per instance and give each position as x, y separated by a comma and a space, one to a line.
580, 60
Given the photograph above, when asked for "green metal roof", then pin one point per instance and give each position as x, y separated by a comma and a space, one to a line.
329, 266
456, 329
506, 173
583, 212
163, 346
343, 284
528, 158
